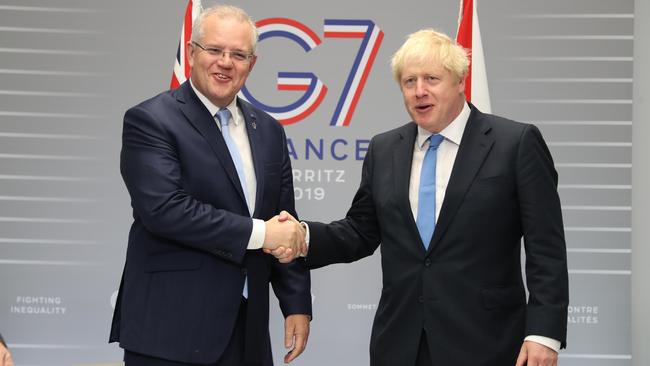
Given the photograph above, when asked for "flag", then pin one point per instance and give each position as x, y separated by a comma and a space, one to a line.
469, 36
181, 66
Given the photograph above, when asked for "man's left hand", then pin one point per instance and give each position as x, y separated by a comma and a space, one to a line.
296, 332
535, 354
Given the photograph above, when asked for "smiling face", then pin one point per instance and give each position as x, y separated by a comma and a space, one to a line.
433, 96
220, 78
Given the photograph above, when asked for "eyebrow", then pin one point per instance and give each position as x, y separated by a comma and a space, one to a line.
226, 48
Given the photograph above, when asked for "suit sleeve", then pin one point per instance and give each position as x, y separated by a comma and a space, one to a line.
354, 237
151, 170
541, 217
291, 282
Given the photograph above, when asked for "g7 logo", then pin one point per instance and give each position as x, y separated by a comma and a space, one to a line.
314, 89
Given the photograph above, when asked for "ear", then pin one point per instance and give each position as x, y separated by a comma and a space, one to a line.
191, 52
252, 63
461, 84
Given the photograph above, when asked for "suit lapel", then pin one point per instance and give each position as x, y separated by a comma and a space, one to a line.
402, 158
199, 117
474, 148
255, 142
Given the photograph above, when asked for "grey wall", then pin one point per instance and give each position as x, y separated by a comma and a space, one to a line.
69, 69
641, 192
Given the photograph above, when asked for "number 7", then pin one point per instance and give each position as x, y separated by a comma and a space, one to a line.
372, 37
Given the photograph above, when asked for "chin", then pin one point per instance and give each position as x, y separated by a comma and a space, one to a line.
427, 126
424, 124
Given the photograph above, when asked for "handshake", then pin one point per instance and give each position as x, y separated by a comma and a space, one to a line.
285, 238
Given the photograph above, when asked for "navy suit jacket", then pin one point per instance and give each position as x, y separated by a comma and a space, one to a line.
187, 260
466, 290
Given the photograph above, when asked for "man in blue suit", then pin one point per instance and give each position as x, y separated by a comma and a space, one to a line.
204, 169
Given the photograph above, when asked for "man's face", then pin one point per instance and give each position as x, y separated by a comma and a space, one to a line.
433, 96
220, 78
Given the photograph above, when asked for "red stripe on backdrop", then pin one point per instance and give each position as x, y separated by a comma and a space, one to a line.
308, 111
292, 87
291, 22
464, 38
187, 35
174, 84
344, 34
364, 77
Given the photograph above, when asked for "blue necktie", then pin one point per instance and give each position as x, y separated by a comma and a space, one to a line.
426, 220
223, 115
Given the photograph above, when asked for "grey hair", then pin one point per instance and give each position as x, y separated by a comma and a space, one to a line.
224, 11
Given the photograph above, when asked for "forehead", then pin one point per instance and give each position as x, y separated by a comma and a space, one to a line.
423, 65
227, 31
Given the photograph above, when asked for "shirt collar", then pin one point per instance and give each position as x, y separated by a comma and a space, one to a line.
453, 132
212, 108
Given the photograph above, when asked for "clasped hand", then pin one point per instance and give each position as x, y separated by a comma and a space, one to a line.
285, 238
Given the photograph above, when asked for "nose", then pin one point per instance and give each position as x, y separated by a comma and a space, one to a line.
420, 90
225, 60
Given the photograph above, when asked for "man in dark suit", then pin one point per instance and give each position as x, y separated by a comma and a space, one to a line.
195, 282
449, 197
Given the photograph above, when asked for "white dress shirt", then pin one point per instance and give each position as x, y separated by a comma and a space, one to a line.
445, 159
237, 128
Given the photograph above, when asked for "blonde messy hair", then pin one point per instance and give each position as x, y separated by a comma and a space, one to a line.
427, 46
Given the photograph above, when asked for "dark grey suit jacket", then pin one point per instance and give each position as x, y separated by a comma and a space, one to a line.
466, 291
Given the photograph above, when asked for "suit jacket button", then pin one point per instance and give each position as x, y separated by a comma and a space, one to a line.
244, 271
421, 299
427, 262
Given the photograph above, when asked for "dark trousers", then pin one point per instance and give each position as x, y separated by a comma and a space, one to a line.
424, 357
233, 355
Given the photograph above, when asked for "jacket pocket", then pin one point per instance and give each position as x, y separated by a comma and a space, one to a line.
493, 179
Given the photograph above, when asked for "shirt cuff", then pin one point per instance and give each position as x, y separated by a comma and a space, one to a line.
545, 341
257, 235
306, 227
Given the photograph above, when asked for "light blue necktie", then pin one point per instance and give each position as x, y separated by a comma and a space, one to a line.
223, 115
426, 220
